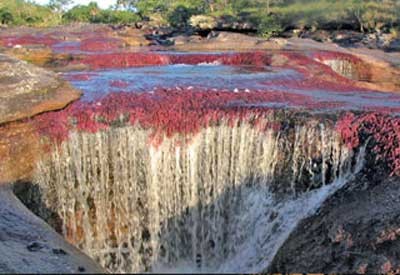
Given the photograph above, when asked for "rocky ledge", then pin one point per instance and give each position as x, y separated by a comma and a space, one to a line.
27, 90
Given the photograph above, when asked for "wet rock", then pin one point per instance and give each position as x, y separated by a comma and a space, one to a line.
357, 230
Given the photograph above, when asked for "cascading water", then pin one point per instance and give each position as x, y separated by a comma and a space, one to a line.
221, 200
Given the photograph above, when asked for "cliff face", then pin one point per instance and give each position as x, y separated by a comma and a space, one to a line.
355, 231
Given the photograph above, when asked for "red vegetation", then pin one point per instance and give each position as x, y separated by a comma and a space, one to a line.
384, 131
182, 111
361, 70
100, 44
125, 60
118, 84
329, 55
166, 111
11, 41
122, 60
171, 111
79, 77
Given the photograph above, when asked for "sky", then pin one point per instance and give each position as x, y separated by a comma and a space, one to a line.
102, 3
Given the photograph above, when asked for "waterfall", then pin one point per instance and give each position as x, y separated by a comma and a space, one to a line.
222, 200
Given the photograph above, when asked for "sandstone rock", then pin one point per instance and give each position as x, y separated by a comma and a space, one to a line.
27, 90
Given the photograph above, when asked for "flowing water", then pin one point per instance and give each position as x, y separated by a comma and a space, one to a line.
222, 200
266, 79
203, 76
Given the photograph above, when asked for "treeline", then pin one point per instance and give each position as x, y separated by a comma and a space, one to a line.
270, 17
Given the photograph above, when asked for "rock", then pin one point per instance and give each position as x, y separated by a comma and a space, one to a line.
357, 230
133, 37
183, 39
240, 23
20, 248
35, 246
26, 90
394, 46
203, 22
59, 251
40, 56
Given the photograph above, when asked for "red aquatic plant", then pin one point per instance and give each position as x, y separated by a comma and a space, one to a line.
119, 84
11, 41
382, 129
100, 44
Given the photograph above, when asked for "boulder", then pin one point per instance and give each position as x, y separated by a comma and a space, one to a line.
27, 90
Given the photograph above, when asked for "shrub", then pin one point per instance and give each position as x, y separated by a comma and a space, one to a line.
6, 16
82, 13
269, 26
20, 12
179, 17
203, 21
115, 17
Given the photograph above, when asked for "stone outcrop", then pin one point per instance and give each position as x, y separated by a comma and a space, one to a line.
27, 90
357, 231
29, 245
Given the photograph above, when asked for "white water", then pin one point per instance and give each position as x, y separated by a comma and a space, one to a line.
223, 202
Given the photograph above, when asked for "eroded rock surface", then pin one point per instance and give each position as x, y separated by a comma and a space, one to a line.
356, 231
26, 90
29, 245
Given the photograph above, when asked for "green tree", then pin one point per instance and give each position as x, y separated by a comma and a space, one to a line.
179, 17
6, 16
82, 13
59, 5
